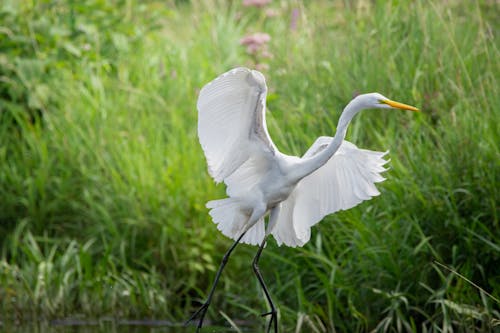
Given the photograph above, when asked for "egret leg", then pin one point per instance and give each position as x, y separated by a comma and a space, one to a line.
201, 312
273, 312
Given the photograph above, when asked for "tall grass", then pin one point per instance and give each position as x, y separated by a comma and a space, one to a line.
103, 182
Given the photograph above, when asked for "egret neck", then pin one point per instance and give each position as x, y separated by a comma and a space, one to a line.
309, 165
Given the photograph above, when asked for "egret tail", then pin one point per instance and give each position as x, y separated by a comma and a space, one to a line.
231, 221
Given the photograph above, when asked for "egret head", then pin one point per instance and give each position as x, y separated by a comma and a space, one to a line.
376, 100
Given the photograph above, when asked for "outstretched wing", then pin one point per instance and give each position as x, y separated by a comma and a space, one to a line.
346, 180
231, 121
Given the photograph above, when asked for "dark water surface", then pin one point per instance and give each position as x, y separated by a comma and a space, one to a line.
108, 326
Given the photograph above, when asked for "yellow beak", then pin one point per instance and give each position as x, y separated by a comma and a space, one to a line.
398, 105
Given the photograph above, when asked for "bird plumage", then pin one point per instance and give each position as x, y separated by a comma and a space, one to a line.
231, 120
347, 179
296, 192
239, 151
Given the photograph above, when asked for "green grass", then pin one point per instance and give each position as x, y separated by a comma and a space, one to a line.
103, 182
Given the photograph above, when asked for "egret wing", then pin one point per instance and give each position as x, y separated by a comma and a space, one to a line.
231, 121
346, 180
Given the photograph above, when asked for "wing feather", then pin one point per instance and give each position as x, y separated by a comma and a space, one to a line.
231, 121
346, 180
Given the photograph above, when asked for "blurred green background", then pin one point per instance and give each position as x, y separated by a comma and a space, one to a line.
103, 183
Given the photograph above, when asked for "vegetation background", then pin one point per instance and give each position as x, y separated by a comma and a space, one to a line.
103, 182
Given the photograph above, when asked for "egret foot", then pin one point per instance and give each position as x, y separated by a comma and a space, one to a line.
274, 319
272, 312
201, 312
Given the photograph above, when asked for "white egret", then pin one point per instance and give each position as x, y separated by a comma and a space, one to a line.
296, 192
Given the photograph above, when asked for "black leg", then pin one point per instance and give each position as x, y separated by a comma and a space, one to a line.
203, 309
273, 313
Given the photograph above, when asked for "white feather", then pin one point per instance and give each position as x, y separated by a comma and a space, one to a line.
230, 117
333, 174
233, 134
346, 180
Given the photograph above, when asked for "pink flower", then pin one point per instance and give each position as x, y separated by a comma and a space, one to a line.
259, 38
253, 48
255, 3
255, 42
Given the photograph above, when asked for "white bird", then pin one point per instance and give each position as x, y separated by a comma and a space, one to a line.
296, 192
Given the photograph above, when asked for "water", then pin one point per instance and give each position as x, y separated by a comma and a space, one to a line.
106, 326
